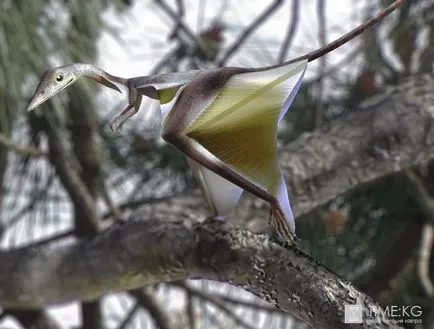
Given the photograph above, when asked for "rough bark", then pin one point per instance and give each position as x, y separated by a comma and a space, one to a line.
145, 252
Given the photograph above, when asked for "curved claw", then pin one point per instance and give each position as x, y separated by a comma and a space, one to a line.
280, 224
131, 109
118, 121
116, 125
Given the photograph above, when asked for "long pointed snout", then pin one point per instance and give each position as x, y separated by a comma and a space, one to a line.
57, 79
41, 93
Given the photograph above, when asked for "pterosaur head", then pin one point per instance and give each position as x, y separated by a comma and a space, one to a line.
56, 79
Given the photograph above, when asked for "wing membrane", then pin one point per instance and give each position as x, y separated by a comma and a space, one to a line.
221, 194
240, 125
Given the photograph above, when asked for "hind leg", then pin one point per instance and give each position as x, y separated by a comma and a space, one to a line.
282, 218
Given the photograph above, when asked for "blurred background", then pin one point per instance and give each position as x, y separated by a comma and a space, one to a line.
379, 236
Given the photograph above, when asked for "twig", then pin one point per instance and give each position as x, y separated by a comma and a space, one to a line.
350, 35
147, 301
132, 204
200, 14
38, 319
164, 61
248, 31
424, 259
49, 239
174, 34
190, 310
23, 150
32, 203
385, 60
180, 24
292, 29
212, 320
129, 316
246, 303
344, 61
322, 62
68, 176
218, 303
181, 12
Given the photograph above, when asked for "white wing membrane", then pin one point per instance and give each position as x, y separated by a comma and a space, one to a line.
221, 194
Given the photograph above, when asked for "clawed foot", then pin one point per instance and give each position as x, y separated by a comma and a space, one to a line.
278, 221
119, 120
116, 124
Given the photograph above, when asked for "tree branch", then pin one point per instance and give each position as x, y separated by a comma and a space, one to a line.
181, 11
222, 298
141, 253
68, 176
180, 25
350, 35
321, 4
125, 322
155, 310
219, 304
292, 29
37, 319
248, 31
424, 259
23, 150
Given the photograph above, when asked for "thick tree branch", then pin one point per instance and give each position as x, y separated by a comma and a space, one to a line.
140, 253
386, 135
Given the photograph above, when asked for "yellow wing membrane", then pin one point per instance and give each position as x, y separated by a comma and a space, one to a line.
240, 125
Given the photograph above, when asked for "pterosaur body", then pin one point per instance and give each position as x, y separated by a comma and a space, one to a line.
223, 120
